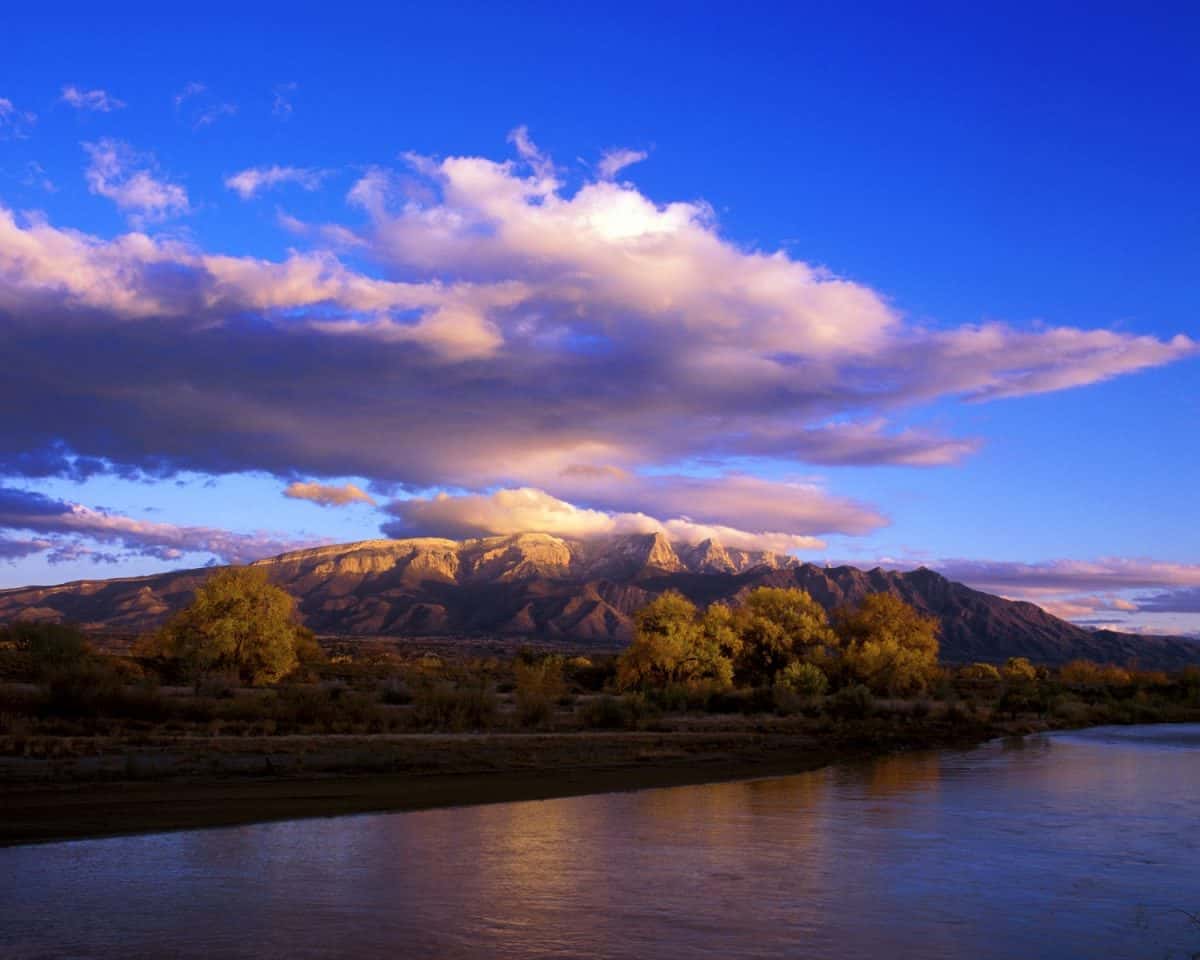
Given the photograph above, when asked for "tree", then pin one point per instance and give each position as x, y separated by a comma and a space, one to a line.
777, 627
237, 621
1019, 670
888, 645
672, 644
51, 646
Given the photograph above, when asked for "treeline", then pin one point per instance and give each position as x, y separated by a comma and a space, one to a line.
237, 662
783, 637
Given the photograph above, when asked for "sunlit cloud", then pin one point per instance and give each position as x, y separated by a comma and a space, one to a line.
328, 495
527, 510
129, 179
99, 101
251, 181
614, 161
506, 333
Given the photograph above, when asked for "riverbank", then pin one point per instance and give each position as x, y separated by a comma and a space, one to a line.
186, 783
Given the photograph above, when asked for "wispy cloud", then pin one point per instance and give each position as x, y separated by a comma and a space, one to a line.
328, 495
281, 105
71, 527
197, 104
251, 181
614, 161
15, 123
129, 179
99, 101
35, 176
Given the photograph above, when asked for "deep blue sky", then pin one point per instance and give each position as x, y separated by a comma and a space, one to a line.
1031, 165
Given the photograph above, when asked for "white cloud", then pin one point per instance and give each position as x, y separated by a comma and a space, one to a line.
614, 161
127, 178
527, 510
249, 182
281, 105
99, 101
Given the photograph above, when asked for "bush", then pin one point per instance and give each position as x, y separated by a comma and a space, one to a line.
852, 703
440, 705
394, 691
50, 646
539, 687
804, 679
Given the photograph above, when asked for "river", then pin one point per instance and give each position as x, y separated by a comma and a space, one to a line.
1065, 845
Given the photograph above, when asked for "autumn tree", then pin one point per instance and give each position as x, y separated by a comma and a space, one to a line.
777, 627
237, 621
673, 644
888, 646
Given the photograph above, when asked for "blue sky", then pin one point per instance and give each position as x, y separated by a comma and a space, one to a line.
1021, 171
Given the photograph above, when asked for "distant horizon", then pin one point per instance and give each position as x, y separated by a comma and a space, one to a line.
918, 303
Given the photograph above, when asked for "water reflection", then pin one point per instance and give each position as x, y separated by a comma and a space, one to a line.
1076, 846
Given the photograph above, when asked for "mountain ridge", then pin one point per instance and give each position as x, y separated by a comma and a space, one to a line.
579, 592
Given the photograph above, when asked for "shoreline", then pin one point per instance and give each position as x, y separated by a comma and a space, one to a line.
441, 771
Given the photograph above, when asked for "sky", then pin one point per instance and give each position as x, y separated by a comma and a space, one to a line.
909, 284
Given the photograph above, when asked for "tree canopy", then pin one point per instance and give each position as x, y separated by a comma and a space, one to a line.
237, 621
888, 646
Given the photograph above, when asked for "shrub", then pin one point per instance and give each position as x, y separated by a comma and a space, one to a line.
539, 686
440, 705
852, 703
50, 646
805, 679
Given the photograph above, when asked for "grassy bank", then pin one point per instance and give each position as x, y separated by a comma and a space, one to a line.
108, 744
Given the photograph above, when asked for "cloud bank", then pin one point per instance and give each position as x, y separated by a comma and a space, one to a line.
71, 528
498, 331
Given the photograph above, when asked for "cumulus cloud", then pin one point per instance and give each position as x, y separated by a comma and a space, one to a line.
73, 526
99, 101
512, 333
14, 122
614, 161
327, 495
526, 509
249, 182
129, 179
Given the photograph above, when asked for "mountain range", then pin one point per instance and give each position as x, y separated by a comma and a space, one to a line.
580, 592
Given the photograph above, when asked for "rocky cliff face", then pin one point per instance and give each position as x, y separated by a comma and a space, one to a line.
581, 592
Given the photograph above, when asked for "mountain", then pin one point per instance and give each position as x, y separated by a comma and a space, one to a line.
582, 592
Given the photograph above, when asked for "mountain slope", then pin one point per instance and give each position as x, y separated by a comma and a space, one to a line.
583, 592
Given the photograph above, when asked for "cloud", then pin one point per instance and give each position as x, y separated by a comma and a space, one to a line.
252, 180
1079, 590
127, 178
190, 89
1113, 573
35, 176
510, 333
326, 495
13, 550
281, 105
614, 161
99, 101
15, 123
70, 523
196, 102
525, 510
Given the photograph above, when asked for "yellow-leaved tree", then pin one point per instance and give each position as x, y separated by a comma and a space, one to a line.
673, 644
888, 645
237, 621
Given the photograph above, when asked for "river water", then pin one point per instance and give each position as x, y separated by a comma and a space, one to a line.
1068, 845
